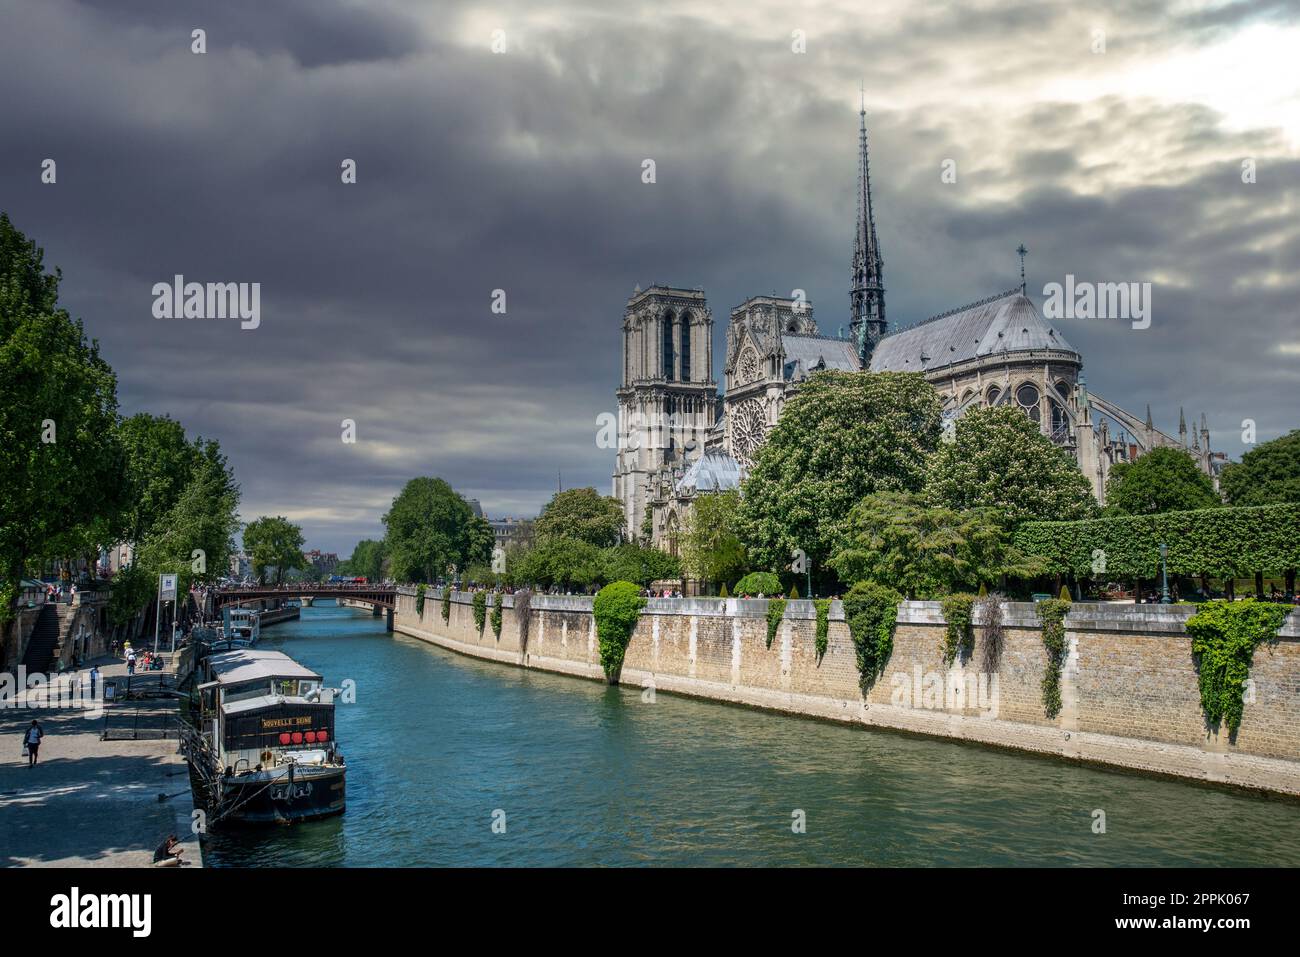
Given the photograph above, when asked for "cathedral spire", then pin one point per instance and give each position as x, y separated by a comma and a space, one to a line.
867, 293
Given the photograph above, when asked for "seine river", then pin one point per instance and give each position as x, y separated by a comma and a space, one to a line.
438, 743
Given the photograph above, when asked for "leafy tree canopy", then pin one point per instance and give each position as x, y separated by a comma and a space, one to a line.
998, 459
367, 560
60, 458
1268, 474
841, 437
583, 514
274, 541
895, 539
711, 546
430, 527
1163, 480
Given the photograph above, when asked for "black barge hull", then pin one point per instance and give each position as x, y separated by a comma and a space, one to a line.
311, 794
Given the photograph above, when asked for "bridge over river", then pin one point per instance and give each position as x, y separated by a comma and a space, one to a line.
381, 599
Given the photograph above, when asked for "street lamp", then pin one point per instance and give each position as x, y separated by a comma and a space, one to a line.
1164, 576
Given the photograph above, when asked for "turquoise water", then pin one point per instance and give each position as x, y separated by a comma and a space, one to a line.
590, 775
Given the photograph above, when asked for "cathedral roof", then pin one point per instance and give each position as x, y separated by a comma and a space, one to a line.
714, 471
1002, 324
806, 354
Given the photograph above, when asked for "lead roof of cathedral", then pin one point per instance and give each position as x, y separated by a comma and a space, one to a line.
1002, 324
807, 353
714, 471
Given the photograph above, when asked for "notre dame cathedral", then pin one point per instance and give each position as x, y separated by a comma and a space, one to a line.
680, 439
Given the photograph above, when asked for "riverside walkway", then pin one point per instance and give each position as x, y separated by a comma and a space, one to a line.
88, 802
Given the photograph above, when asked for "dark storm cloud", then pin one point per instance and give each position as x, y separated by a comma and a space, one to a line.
522, 172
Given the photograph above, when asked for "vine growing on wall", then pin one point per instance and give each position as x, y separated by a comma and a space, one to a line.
775, 612
446, 603
1225, 635
616, 609
871, 612
958, 636
419, 601
988, 613
823, 606
1051, 615
523, 603
496, 614
480, 610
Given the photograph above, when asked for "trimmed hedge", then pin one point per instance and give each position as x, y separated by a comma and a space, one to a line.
616, 609
1223, 542
758, 583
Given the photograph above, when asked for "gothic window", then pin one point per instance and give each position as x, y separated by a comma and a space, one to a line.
667, 322
1060, 421
748, 430
1027, 399
993, 395
748, 366
1063, 387
670, 405
686, 347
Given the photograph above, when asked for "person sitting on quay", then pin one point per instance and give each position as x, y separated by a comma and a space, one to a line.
168, 853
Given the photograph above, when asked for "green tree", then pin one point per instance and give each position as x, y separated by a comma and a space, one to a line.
159, 462
367, 560
274, 541
428, 529
842, 436
998, 459
581, 513
60, 458
196, 537
642, 564
1163, 480
711, 547
479, 541
1269, 474
924, 550
567, 562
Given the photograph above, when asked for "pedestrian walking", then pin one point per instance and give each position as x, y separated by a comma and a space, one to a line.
32, 742
130, 662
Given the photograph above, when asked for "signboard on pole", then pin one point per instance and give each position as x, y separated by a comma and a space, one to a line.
167, 587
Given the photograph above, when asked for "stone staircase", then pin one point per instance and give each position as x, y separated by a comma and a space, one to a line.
42, 647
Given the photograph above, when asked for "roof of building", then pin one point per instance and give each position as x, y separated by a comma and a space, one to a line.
807, 354
1002, 324
251, 664
714, 471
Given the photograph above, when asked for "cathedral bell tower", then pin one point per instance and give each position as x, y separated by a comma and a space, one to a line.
668, 398
867, 293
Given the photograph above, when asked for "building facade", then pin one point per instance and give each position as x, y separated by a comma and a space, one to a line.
678, 438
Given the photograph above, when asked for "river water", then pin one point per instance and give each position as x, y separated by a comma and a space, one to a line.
440, 745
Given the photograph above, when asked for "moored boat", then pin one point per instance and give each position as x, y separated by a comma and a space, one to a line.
265, 745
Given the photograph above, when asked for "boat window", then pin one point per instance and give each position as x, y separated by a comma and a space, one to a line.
244, 692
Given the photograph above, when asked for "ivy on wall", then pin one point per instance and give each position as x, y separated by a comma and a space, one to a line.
479, 602
1225, 635
446, 603
988, 613
958, 636
775, 612
616, 609
496, 614
871, 612
1051, 615
419, 601
823, 606
523, 603
1224, 542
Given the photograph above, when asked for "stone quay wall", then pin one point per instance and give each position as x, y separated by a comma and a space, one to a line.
1129, 688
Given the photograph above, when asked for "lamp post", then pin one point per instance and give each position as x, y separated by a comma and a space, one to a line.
1164, 576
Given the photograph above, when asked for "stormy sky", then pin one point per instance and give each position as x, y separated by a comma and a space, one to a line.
521, 170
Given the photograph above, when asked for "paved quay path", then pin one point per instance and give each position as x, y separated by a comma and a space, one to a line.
87, 802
